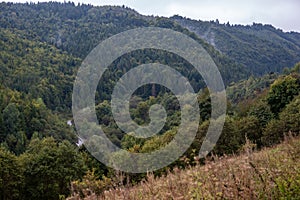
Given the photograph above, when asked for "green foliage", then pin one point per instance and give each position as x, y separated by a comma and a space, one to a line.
204, 105
296, 68
37, 69
41, 46
260, 48
288, 122
79, 33
250, 88
11, 178
92, 164
77, 29
291, 116
262, 112
49, 167
90, 185
11, 118
282, 91
129, 141
250, 128
22, 117
104, 114
230, 140
288, 188
158, 142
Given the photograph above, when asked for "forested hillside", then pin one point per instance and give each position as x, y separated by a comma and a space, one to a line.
78, 29
37, 69
260, 119
41, 48
261, 48
75, 29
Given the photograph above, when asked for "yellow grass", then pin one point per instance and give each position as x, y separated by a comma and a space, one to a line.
271, 173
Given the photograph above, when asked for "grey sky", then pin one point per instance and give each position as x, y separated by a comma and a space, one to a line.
283, 14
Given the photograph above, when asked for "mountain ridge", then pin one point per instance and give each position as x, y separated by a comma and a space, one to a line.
78, 28
247, 45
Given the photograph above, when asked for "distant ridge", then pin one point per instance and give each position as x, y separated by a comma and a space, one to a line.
261, 48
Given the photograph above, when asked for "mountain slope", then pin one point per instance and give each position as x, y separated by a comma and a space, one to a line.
256, 49
37, 68
261, 48
78, 29
75, 29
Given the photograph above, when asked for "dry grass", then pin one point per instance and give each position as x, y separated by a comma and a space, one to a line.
272, 173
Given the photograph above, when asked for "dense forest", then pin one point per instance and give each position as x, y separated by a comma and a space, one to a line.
41, 48
261, 48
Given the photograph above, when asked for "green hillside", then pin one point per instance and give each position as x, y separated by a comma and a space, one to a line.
41, 48
37, 69
78, 29
261, 48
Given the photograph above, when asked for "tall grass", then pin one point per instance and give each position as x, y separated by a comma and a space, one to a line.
272, 173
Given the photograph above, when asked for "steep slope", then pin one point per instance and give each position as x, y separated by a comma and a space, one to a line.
78, 29
269, 174
23, 118
261, 48
244, 50
75, 29
36, 68
250, 88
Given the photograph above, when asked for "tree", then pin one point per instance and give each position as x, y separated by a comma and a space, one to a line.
50, 167
288, 122
291, 116
142, 112
129, 141
11, 179
11, 118
15, 138
249, 127
296, 68
204, 104
282, 91
262, 112
230, 140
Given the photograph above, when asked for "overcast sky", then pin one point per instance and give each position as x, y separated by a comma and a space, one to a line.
283, 14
